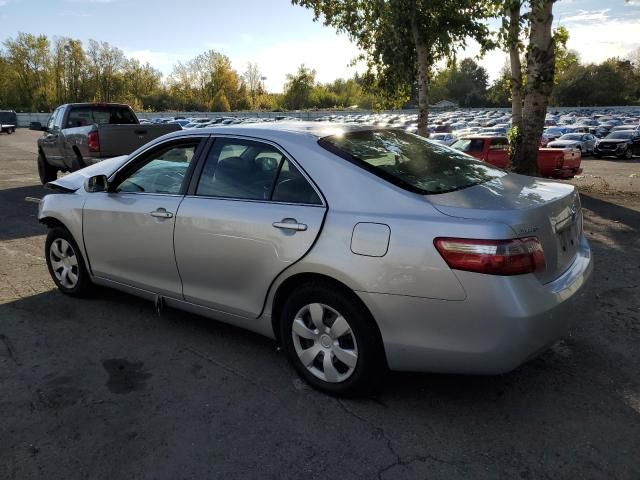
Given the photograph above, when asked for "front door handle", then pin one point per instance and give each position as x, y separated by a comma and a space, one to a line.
290, 224
161, 213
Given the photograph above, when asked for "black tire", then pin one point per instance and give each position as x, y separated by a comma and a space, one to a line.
83, 285
370, 369
597, 155
46, 172
628, 153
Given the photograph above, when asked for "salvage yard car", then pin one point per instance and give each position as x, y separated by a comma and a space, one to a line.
358, 248
585, 142
622, 144
79, 134
552, 162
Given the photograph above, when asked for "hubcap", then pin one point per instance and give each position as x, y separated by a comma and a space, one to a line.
64, 262
324, 342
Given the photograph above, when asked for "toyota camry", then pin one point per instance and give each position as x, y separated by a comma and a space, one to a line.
359, 249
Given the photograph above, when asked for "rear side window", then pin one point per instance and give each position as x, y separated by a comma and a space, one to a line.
410, 161
469, 145
106, 115
498, 144
239, 169
249, 170
292, 187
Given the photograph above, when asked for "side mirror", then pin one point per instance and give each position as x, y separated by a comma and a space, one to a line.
36, 126
97, 183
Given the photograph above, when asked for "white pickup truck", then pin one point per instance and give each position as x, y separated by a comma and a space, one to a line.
8, 121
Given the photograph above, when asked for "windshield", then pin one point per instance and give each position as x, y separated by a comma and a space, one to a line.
621, 135
410, 161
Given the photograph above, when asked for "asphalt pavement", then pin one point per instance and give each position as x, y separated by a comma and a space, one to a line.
103, 388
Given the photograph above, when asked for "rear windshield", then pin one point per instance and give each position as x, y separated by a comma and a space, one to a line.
410, 161
101, 115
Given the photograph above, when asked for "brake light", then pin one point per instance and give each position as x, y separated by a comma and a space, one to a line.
493, 257
93, 141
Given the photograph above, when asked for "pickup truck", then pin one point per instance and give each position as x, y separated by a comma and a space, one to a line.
8, 121
552, 162
81, 134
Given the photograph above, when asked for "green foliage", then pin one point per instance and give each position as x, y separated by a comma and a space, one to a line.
403, 39
464, 83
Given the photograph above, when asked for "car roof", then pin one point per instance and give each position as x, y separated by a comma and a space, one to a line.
281, 129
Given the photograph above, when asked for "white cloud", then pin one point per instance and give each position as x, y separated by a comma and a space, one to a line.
620, 39
330, 58
584, 16
162, 61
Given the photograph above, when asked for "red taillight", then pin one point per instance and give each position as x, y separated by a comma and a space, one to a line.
93, 141
494, 257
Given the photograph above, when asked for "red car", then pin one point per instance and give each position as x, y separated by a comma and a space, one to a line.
552, 162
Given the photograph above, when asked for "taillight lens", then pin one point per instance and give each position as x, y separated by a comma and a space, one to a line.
493, 257
93, 141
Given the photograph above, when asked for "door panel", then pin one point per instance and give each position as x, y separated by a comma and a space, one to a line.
127, 244
128, 232
229, 251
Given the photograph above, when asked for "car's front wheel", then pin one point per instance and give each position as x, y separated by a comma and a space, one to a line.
65, 263
331, 340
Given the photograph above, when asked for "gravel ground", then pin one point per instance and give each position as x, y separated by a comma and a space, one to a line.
105, 389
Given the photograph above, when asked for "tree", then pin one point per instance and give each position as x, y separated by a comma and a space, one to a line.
403, 39
253, 79
464, 83
537, 91
29, 60
298, 89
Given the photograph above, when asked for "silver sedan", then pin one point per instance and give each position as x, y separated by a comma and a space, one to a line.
358, 249
585, 142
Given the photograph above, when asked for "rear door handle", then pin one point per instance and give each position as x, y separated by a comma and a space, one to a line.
161, 213
290, 224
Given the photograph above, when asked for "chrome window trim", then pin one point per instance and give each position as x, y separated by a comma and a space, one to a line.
269, 202
284, 153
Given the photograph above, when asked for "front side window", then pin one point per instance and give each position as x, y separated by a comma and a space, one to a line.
162, 172
410, 161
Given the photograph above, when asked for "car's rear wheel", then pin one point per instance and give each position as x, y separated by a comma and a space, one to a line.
331, 340
46, 172
65, 263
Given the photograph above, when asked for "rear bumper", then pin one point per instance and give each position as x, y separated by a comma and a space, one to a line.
503, 322
566, 172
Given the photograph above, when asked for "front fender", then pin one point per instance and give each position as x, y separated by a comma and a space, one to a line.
67, 210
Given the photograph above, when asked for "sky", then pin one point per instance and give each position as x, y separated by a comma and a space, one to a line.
274, 33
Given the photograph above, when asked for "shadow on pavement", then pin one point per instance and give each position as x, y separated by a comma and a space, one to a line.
18, 218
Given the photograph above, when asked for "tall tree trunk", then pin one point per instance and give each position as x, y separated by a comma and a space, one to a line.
540, 73
424, 69
513, 40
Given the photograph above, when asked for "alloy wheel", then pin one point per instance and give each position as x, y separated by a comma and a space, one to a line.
324, 342
64, 263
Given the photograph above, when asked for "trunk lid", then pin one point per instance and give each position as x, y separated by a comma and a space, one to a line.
531, 207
